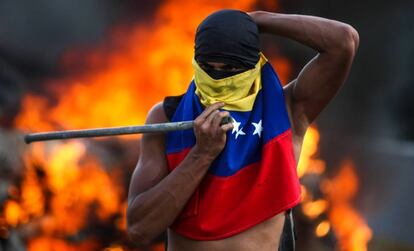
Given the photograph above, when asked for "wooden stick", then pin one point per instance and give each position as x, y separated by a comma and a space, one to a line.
113, 131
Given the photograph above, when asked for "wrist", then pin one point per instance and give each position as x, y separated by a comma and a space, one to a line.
201, 154
267, 22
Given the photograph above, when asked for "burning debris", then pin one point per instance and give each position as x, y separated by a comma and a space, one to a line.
331, 208
65, 194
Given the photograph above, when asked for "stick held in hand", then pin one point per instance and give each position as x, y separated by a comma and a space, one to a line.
113, 131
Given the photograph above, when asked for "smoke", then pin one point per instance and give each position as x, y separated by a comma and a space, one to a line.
10, 93
34, 34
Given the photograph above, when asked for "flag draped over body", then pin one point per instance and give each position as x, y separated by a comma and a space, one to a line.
253, 179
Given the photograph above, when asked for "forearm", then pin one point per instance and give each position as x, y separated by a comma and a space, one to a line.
321, 34
151, 212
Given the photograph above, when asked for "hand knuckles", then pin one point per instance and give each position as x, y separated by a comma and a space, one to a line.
198, 119
204, 128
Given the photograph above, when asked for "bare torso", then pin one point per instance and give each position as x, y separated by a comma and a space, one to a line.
264, 237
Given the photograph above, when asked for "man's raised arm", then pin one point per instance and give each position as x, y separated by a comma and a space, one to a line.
321, 78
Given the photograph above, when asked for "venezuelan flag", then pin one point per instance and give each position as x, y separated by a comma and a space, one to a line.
253, 179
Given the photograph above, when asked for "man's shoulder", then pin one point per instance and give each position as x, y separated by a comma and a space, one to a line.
157, 114
164, 110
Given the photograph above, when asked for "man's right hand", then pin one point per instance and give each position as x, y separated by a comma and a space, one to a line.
209, 131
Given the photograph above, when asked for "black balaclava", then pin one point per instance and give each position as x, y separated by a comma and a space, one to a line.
230, 37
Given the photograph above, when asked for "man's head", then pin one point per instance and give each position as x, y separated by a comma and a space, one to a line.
227, 43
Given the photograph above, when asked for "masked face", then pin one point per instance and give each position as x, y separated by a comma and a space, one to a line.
220, 70
226, 60
233, 90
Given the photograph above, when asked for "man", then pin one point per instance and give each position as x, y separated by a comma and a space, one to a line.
185, 190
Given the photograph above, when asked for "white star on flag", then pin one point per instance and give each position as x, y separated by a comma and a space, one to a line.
237, 129
236, 126
258, 128
240, 132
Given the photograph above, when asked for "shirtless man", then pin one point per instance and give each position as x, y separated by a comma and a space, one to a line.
157, 196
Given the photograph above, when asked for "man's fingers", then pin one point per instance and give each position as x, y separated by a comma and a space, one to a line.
227, 127
209, 120
209, 110
219, 118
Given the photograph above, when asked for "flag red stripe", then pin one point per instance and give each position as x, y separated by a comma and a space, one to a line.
253, 194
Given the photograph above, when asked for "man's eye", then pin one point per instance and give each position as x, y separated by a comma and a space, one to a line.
233, 68
204, 66
228, 68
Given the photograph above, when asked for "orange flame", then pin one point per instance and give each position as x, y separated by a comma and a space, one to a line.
323, 228
352, 231
308, 163
77, 184
46, 243
350, 228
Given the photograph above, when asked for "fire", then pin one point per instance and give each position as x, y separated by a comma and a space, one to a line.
323, 228
308, 163
352, 231
313, 209
46, 243
13, 213
350, 228
77, 184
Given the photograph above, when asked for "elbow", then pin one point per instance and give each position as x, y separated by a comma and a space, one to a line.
355, 37
138, 234
138, 229
347, 41
351, 38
